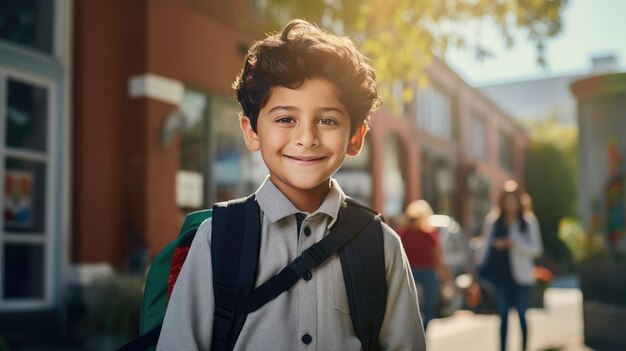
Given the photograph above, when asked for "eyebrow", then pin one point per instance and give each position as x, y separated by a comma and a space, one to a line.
283, 107
331, 109
293, 108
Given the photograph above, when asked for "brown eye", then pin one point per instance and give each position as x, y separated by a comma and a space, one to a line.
285, 120
328, 121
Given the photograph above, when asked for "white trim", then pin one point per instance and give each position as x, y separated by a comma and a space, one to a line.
28, 77
62, 26
85, 273
64, 224
150, 85
26, 154
24, 305
25, 51
21, 238
50, 201
3, 99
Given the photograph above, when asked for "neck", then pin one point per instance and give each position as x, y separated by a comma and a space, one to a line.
306, 200
510, 218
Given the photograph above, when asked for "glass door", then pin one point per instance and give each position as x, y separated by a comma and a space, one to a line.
26, 170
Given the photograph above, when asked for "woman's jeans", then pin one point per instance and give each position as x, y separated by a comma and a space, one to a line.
429, 282
512, 295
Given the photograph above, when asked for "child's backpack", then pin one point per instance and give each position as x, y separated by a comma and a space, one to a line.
235, 243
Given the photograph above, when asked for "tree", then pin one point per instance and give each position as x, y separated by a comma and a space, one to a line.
551, 179
400, 36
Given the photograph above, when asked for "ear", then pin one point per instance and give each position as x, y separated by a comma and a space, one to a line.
250, 137
357, 140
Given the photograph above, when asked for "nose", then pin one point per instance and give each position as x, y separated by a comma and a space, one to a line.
306, 136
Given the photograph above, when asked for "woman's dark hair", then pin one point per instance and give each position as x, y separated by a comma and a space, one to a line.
511, 188
300, 51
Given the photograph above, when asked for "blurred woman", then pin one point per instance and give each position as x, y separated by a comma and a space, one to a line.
512, 241
421, 244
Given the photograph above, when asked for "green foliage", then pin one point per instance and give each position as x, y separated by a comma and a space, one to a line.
400, 36
551, 179
582, 246
113, 304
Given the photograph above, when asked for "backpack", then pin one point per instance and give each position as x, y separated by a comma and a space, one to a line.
235, 243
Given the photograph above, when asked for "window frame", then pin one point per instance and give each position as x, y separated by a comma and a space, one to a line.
506, 138
49, 159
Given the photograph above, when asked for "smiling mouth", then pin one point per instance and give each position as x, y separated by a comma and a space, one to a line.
305, 159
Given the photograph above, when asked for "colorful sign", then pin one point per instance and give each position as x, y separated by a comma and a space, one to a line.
18, 198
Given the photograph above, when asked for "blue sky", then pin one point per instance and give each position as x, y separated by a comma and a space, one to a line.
590, 28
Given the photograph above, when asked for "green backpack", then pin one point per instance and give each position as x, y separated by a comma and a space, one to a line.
167, 263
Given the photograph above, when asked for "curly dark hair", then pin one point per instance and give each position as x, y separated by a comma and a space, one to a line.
300, 51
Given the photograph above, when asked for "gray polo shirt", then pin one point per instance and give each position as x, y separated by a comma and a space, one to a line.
315, 311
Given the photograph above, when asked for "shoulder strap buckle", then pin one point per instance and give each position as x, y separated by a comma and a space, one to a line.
310, 258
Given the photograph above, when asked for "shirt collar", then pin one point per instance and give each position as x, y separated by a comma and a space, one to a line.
276, 206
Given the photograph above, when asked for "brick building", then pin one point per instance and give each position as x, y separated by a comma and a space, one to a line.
117, 120
452, 146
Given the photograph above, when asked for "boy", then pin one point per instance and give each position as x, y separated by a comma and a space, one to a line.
306, 96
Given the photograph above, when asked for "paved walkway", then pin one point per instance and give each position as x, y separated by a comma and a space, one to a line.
558, 326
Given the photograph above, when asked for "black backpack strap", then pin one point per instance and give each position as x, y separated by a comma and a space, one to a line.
349, 224
143, 342
234, 265
363, 265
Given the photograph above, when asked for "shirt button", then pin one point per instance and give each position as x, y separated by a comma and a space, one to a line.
307, 231
306, 338
307, 275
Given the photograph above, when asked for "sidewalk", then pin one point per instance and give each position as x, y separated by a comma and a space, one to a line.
558, 326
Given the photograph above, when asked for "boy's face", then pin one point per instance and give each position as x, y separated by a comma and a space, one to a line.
303, 135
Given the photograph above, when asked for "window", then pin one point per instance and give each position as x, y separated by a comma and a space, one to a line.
33, 148
190, 179
399, 102
506, 156
477, 137
235, 171
434, 112
27, 23
355, 176
479, 200
26, 173
215, 164
393, 180
439, 182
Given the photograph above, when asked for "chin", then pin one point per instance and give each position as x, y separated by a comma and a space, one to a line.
309, 185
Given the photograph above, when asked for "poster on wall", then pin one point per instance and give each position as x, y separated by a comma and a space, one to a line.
18, 199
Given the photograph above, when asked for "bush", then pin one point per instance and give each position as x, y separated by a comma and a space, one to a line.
113, 304
582, 246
